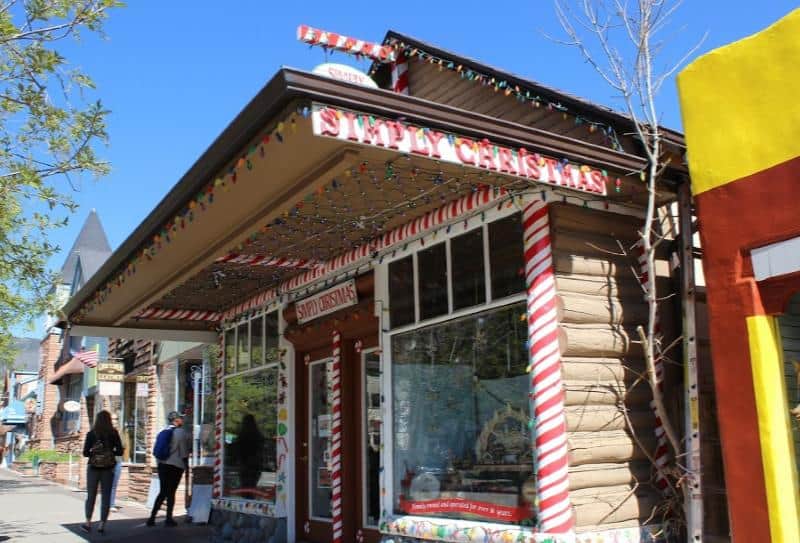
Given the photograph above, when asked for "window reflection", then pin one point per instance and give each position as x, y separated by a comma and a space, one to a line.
462, 444
506, 256
469, 277
432, 264
250, 462
401, 291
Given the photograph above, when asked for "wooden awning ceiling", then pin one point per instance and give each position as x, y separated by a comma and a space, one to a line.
284, 200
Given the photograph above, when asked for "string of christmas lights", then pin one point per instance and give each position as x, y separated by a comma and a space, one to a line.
509, 89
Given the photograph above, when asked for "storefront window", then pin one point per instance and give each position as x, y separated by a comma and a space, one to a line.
252, 343
321, 475
230, 350
506, 256
71, 389
421, 283
272, 352
462, 447
432, 264
250, 461
372, 437
243, 344
168, 388
256, 341
401, 291
207, 437
469, 278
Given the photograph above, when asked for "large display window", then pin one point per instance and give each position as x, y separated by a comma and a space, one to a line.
251, 420
461, 441
250, 392
462, 446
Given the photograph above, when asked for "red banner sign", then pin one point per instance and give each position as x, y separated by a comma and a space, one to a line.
484, 154
494, 511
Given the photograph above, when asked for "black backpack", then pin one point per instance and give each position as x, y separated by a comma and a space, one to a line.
101, 455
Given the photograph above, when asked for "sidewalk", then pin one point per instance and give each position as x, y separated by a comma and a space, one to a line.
37, 511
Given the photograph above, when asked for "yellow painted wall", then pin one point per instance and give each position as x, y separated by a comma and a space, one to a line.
777, 447
741, 105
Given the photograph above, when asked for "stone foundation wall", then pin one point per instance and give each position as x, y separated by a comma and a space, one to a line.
138, 482
70, 444
230, 527
60, 472
137, 487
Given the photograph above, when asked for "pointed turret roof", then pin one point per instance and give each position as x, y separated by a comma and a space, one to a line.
90, 248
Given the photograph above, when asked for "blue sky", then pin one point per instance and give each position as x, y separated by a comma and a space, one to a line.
174, 74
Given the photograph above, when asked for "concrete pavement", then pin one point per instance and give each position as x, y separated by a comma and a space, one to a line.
37, 511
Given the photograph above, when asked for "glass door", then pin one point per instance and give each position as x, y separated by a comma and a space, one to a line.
314, 480
371, 420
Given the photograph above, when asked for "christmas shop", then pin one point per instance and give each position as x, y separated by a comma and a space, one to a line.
424, 285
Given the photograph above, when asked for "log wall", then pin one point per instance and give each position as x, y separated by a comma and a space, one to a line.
600, 304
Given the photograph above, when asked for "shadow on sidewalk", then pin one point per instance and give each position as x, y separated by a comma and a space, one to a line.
8, 486
134, 529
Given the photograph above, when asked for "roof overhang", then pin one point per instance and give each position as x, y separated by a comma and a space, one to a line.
242, 205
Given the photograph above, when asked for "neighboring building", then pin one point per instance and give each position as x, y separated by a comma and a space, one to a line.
426, 327
150, 380
63, 377
741, 114
20, 378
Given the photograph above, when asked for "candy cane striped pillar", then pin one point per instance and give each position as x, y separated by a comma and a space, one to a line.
546, 390
336, 436
400, 73
661, 456
217, 480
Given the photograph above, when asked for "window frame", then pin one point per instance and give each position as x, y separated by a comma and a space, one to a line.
481, 221
478, 220
265, 366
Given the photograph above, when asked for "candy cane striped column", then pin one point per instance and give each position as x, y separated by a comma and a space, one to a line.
661, 455
336, 437
546, 389
217, 480
400, 74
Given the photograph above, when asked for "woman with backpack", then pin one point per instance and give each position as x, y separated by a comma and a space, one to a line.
102, 447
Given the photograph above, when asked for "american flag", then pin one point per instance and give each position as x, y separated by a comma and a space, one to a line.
89, 358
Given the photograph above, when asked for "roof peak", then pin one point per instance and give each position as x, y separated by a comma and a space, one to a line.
91, 239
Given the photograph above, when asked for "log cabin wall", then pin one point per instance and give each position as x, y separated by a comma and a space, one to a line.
601, 304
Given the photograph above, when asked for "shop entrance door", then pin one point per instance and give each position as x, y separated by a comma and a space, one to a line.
359, 456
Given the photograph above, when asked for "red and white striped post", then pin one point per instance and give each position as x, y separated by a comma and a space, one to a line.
216, 487
661, 456
336, 437
549, 430
400, 73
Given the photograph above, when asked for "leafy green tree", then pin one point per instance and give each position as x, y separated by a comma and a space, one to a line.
48, 134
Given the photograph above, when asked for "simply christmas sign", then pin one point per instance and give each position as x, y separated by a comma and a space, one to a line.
483, 154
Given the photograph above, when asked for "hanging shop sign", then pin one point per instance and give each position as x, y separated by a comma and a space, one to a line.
111, 371
418, 140
109, 388
343, 72
327, 301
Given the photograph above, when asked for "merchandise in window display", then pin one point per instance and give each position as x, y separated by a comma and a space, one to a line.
462, 442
